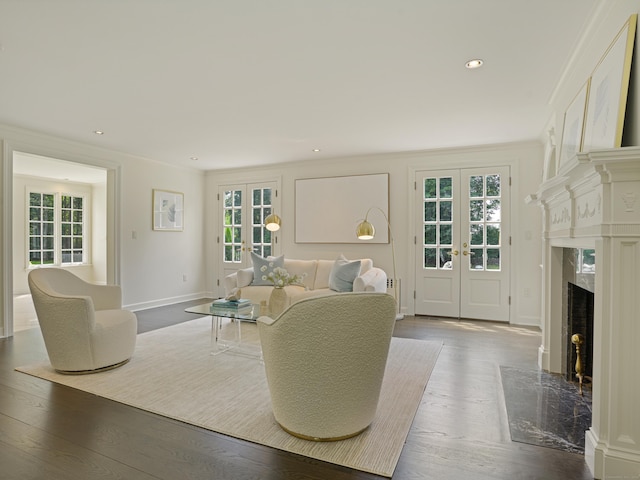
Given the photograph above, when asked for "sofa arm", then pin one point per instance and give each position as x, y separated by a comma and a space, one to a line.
230, 283
373, 280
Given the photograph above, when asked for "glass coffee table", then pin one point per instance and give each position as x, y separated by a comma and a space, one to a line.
233, 331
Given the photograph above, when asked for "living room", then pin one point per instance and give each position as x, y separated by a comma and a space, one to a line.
158, 268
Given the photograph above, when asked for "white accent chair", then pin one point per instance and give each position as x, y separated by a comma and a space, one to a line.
325, 359
84, 326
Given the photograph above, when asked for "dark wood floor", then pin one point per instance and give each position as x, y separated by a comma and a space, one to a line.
54, 432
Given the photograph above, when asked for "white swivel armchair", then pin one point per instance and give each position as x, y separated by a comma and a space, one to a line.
325, 359
83, 325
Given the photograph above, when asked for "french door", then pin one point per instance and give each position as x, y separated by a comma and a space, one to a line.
462, 243
242, 209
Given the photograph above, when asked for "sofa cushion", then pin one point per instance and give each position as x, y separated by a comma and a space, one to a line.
304, 268
343, 273
323, 271
263, 266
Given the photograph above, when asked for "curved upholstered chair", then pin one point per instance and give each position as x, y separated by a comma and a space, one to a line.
83, 324
325, 358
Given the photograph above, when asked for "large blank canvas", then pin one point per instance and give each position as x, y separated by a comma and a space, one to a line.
328, 210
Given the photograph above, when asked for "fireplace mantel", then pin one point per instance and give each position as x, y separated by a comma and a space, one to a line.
594, 202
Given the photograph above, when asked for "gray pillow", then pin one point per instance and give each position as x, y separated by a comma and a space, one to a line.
343, 274
260, 276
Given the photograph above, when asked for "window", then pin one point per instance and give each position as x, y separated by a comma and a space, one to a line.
57, 233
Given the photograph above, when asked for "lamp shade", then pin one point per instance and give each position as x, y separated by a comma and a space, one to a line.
365, 230
272, 222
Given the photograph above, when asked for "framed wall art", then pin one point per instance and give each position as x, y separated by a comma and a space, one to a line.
573, 128
168, 211
608, 92
329, 209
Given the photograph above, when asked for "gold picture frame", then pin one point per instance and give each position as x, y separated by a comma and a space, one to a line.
608, 91
168, 210
574, 124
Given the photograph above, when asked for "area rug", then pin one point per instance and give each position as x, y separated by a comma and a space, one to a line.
173, 374
545, 409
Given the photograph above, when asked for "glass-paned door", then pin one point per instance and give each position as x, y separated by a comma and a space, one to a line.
243, 209
462, 226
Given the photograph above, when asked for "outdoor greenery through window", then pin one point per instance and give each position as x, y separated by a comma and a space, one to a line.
56, 229
438, 222
261, 238
484, 222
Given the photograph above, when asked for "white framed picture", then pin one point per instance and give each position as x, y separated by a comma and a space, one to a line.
168, 210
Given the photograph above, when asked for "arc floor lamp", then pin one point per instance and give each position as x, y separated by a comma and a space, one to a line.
366, 231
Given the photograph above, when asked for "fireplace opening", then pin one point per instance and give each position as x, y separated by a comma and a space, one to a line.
579, 285
579, 322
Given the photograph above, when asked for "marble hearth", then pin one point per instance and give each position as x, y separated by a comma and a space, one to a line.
594, 203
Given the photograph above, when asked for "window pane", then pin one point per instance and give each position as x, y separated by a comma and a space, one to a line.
77, 256
237, 253
446, 262
266, 196
77, 203
237, 198
34, 243
445, 234
77, 229
65, 242
47, 243
48, 201
66, 216
35, 258
475, 210
237, 217
493, 234
35, 199
493, 210
429, 188
65, 201
429, 234
475, 186
476, 234
257, 216
47, 257
228, 253
429, 258
228, 198
493, 185
47, 215
77, 243
47, 228
446, 187
227, 217
266, 251
65, 229
237, 235
77, 216
257, 235
445, 211
430, 212
35, 214
476, 261
257, 197
493, 259
35, 228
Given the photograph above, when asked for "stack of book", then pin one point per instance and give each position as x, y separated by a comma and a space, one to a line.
231, 306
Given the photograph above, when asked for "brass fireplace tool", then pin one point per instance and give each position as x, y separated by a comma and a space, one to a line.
578, 339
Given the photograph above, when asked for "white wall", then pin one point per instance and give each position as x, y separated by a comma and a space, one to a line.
526, 169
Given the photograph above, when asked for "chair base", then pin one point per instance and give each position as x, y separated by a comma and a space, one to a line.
322, 439
95, 370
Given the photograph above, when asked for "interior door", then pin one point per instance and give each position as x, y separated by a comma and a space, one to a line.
243, 208
462, 243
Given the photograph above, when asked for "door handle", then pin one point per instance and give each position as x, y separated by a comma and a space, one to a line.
468, 253
453, 252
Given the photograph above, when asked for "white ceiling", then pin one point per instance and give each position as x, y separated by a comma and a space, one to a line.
250, 82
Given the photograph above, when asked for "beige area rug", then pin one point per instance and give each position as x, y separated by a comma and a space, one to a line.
173, 374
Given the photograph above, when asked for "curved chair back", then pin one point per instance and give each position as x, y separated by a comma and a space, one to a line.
325, 359
83, 325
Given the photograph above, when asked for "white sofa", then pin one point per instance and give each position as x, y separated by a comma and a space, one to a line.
316, 280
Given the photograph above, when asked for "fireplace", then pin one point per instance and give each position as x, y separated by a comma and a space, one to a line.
592, 205
578, 296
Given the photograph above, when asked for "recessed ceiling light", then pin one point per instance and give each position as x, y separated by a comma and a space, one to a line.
98, 132
193, 158
475, 63
316, 150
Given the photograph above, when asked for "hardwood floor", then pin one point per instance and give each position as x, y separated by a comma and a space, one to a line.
53, 432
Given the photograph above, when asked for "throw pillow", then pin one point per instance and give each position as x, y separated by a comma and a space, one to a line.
260, 273
343, 274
